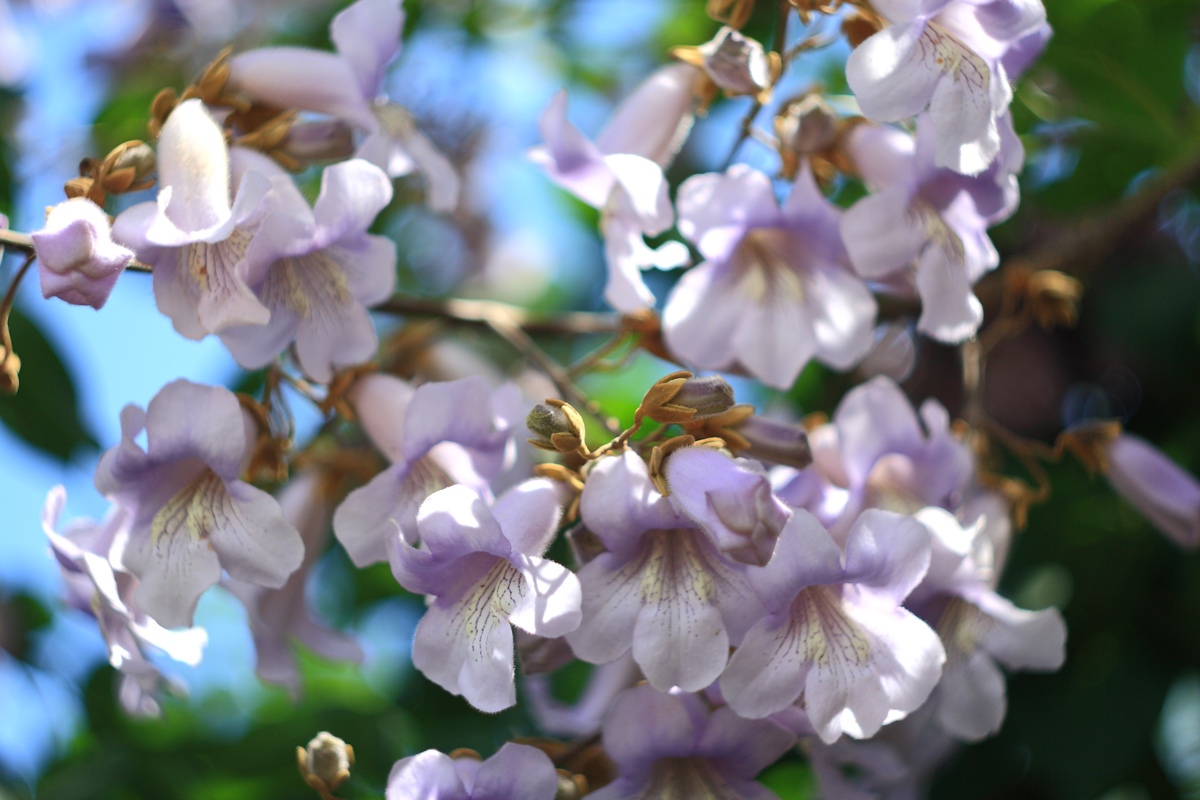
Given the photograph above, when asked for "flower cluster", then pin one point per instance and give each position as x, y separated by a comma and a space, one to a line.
744, 584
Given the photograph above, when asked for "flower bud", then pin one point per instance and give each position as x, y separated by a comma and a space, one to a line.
78, 260
557, 425
682, 398
737, 64
325, 763
776, 442
1054, 298
808, 126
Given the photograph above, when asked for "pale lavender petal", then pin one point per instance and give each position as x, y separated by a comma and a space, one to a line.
704, 306
873, 419
1010, 20
893, 74
529, 514
456, 411
805, 555
888, 554
645, 186
427, 776
610, 603
352, 194
1021, 639
768, 670
885, 157
842, 313
372, 515
775, 339
466, 645
883, 233
950, 311
174, 567
1022, 54
740, 747
295, 77
456, 521
188, 419
619, 503
964, 114
733, 505
516, 772
626, 253
551, 606
1156, 486
680, 637
569, 158
255, 543
645, 725
741, 196
335, 338
194, 164
971, 698
655, 118
367, 35
380, 401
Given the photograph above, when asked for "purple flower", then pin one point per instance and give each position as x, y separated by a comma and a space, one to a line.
946, 55
662, 587
978, 628
484, 572
620, 174
878, 453
671, 745
277, 616
440, 434
932, 217
77, 259
586, 716
1156, 486
731, 499
515, 772
775, 289
190, 516
316, 270
95, 588
347, 85
836, 632
192, 236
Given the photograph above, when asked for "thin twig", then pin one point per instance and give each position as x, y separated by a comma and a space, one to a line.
747, 124
481, 312
498, 319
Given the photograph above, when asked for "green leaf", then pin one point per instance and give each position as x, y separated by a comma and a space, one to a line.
44, 411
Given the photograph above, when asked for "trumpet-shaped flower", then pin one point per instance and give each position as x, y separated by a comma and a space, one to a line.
347, 85
193, 236
190, 515
77, 259
947, 56
440, 434
879, 453
94, 587
515, 772
316, 270
925, 227
484, 572
662, 587
978, 628
671, 745
836, 633
621, 175
775, 289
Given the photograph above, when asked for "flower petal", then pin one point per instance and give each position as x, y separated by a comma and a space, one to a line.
367, 35
516, 771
